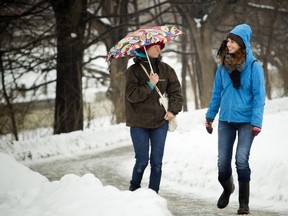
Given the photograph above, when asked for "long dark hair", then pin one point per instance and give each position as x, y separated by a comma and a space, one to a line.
235, 58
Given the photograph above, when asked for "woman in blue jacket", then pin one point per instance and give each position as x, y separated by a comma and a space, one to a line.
239, 93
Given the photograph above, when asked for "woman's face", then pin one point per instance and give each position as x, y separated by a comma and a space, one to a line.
232, 46
154, 51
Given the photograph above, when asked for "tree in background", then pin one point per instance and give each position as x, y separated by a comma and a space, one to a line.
117, 13
70, 28
39, 38
25, 38
271, 36
199, 17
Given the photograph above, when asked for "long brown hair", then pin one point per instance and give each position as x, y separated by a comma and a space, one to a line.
238, 56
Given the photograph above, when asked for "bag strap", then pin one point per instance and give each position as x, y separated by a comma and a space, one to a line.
253, 63
156, 88
145, 70
252, 67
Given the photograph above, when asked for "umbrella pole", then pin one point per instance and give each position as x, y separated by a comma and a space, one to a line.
148, 59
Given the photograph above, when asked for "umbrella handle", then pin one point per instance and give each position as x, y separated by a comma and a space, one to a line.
148, 59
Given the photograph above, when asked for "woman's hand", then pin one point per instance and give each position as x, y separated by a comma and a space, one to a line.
153, 78
255, 130
169, 116
208, 125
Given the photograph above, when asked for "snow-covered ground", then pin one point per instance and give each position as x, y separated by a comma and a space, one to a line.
190, 166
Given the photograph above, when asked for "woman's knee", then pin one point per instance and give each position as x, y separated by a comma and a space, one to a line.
242, 160
141, 166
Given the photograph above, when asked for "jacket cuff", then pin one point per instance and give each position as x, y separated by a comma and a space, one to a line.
209, 120
150, 85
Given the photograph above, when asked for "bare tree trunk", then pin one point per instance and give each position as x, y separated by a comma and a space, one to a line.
207, 67
117, 88
9, 105
285, 80
70, 26
267, 52
204, 64
194, 87
184, 74
118, 67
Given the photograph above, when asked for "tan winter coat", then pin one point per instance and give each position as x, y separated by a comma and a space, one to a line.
142, 105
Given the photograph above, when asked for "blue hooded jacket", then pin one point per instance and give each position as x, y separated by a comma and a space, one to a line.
246, 104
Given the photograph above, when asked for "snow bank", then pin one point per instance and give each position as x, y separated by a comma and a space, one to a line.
27, 193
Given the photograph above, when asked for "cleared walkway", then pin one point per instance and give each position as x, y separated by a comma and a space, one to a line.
107, 167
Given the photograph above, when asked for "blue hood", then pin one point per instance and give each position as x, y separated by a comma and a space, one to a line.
245, 32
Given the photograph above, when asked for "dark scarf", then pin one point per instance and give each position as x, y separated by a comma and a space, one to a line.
234, 72
154, 62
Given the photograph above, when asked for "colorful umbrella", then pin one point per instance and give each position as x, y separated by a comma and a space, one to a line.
142, 37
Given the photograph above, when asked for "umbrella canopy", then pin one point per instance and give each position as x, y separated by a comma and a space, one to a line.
142, 37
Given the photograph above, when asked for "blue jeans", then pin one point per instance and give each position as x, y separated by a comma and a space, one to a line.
140, 138
226, 137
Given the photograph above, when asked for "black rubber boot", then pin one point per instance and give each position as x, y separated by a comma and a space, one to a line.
133, 188
228, 187
244, 191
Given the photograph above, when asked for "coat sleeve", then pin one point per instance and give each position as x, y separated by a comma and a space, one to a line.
259, 94
215, 101
174, 93
137, 89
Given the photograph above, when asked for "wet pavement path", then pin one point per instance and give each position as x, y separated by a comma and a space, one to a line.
107, 167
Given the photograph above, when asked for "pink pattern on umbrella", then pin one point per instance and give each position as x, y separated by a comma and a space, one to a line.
142, 37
